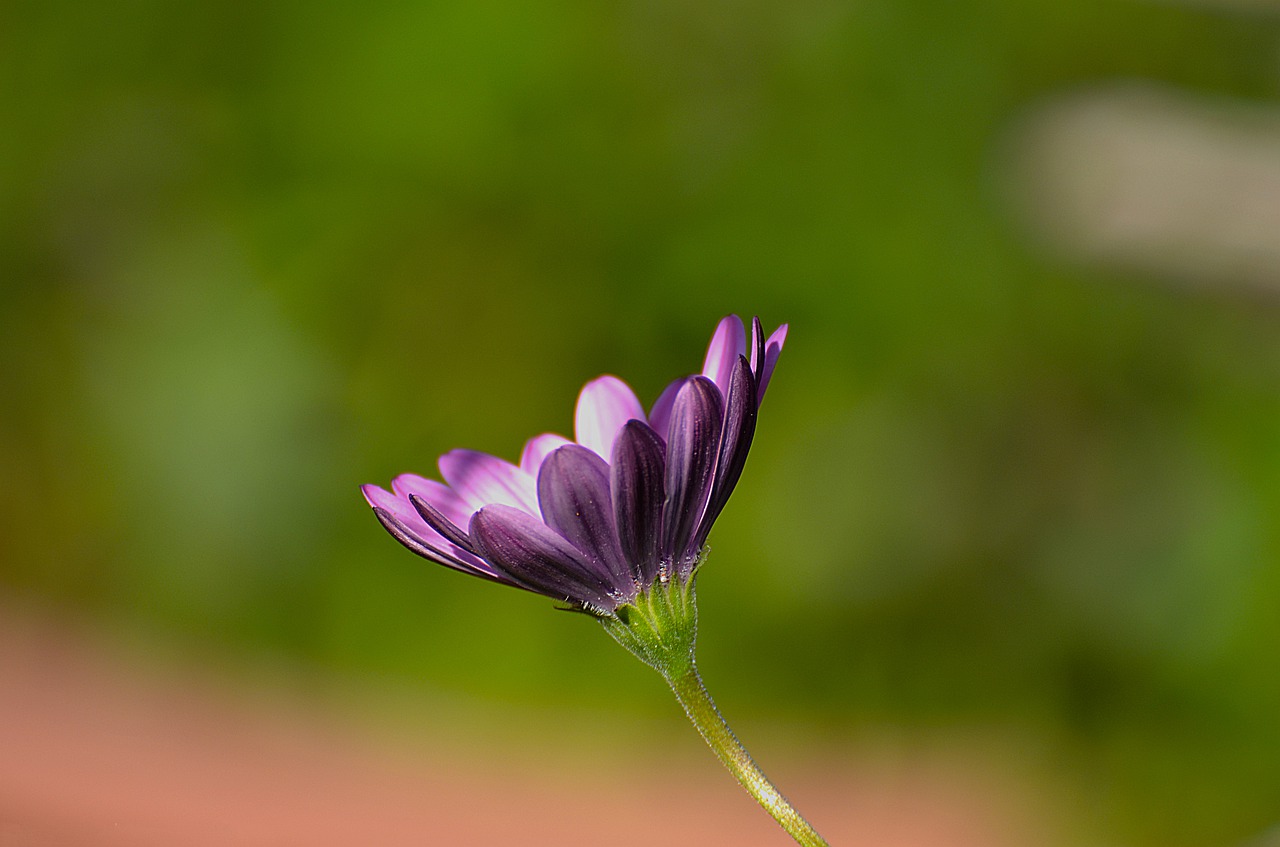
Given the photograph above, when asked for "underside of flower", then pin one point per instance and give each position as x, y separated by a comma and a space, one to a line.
659, 626
597, 521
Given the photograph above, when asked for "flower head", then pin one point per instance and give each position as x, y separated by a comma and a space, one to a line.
597, 521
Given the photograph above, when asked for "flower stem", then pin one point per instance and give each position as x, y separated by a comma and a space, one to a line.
700, 708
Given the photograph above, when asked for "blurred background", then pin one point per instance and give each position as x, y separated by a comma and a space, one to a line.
1004, 566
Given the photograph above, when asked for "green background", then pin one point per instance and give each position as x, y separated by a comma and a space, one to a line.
255, 255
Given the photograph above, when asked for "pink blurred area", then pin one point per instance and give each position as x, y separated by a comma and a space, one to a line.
100, 750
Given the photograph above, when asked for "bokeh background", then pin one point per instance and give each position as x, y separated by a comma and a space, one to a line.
1014, 502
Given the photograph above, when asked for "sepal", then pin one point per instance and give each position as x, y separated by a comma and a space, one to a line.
660, 625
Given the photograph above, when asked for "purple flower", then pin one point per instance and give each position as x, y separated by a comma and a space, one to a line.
597, 521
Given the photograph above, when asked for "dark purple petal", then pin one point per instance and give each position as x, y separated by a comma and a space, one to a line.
757, 348
660, 414
441, 524
416, 544
693, 440
772, 348
534, 556
636, 484
573, 491
411, 526
735, 442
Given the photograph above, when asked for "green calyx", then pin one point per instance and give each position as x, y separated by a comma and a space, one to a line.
659, 626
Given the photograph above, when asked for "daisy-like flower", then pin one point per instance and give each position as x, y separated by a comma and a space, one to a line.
594, 522
615, 523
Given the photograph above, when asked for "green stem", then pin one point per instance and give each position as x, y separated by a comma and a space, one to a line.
700, 708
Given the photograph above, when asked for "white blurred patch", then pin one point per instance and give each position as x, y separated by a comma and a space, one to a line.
1145, 178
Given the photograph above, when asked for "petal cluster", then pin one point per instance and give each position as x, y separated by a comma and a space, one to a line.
596, 520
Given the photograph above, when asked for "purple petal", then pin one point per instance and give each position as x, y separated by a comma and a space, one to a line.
536, 557
735, 443
772, 348
693, 440
443, 526
444, 498
757, 345
467, 564
728, 342
636, 485
660, 416
398, 507
573, 490
481, 479
538, 448
604, 405
405, 525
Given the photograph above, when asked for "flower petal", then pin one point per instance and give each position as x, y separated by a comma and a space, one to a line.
604, 405
444, 498
636, 486
481, 479
443, 526
735, 443
397, 507
529, 552
693, 440
660, 415
573, 490
538, 448
404, 524
772, 348
757, 344
728, 342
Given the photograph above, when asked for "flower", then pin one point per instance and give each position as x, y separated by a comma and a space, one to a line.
596, 522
